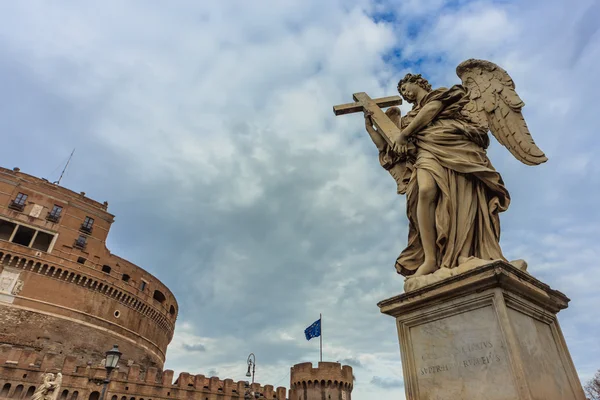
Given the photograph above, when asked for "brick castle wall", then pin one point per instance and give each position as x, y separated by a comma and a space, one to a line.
21, 372
329, 381
52, 288
65, 299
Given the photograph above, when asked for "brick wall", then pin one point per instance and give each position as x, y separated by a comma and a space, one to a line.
95, 296
24, 369
329, 381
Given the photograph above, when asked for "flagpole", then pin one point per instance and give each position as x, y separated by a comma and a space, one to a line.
321, 336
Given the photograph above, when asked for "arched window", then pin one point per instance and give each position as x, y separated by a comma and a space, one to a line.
64, 394
74, 395
172, 310
5, 390
18, 392
159, 296
94, 396
30, 392
114, 397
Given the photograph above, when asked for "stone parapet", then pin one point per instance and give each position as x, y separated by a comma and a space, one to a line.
328, 379
24, 368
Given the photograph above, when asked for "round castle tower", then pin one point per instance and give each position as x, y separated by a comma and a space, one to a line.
330, 381
62, 291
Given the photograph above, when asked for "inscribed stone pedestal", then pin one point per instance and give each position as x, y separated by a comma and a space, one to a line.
488, 334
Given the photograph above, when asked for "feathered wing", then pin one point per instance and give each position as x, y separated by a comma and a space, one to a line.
496, 105
393, 114
57, 382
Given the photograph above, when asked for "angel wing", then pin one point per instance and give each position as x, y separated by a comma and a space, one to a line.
393, 114
496, 105
57, 382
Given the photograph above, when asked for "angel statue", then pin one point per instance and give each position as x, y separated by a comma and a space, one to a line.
438, 158
49, 388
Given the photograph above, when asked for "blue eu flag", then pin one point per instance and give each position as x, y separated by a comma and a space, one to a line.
314, 330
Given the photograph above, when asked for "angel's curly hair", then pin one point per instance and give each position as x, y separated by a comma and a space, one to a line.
416, 79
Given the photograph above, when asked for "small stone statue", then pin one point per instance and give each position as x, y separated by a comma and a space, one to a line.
17, 288
49, 388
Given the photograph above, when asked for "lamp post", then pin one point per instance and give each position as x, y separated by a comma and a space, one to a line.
251, 370
112, 360
251, 363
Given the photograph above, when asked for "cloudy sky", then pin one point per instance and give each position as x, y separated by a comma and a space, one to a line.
208, 128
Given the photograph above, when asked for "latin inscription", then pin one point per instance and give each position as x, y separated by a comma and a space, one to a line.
461, 350
434, 369
459, 354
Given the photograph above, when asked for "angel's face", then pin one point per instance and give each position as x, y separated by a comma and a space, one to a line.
409, 91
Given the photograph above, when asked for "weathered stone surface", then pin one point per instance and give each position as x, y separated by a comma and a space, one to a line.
488, 334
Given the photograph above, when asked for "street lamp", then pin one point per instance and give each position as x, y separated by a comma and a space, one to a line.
111, 361
251, 363
251, 370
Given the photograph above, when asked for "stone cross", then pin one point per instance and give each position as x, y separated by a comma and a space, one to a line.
384, 125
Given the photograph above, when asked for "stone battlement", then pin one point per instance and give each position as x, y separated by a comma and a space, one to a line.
325, 371
25, 367
330, 380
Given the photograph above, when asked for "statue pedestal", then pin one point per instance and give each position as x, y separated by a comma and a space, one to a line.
487, 334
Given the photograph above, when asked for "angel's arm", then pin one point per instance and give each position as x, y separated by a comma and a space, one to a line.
375, 136
423, 118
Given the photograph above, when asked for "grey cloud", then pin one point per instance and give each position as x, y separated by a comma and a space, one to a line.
387, 382
353, 362
194, 347
585, 29
232, 182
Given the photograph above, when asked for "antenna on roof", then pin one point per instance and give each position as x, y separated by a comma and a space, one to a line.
64, 169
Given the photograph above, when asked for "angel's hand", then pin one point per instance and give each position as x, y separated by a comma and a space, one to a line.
368, 118
401, 144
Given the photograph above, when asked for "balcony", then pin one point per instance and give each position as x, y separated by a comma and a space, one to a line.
53, 217
17, 206
86, 229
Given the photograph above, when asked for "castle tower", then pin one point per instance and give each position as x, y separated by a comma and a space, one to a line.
330, 381
62, 291
65, 299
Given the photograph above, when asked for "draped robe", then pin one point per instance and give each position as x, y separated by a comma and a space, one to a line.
452, 148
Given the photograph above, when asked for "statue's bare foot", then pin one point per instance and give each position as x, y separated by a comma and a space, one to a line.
428, 267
